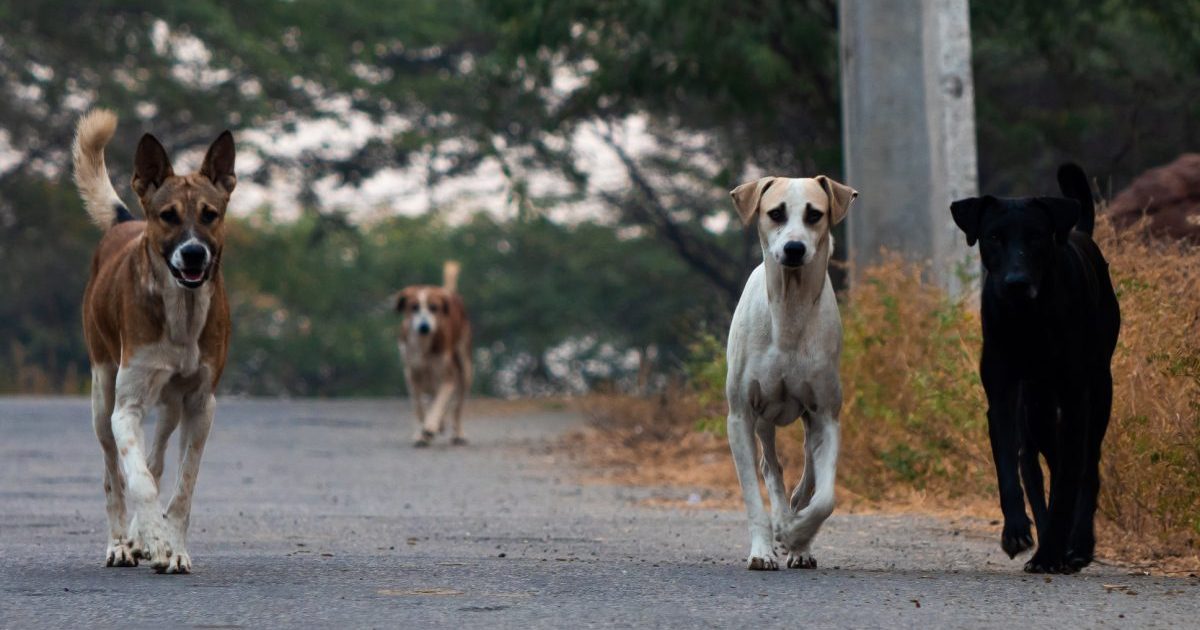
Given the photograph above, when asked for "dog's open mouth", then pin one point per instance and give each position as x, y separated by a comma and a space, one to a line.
189, 278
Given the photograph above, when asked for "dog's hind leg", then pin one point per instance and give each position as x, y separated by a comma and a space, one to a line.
436, 417
825, 432
741, 444
772, 472
198, 409
802, 558
458, 439
804, 490
417, 395
1081, 547
168, 419
1066, 476
120, 551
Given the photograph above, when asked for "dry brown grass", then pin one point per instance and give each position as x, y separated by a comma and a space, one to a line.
913, 423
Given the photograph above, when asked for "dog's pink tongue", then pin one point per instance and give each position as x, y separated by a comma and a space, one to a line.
192, 277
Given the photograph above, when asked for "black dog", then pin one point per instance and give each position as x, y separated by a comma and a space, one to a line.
1050, 325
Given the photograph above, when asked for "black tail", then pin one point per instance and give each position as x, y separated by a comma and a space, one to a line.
1074, 184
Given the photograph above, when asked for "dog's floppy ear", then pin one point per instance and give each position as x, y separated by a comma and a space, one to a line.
968, 213
840, 197
747, 196
1063, 213
151, 166
218, 163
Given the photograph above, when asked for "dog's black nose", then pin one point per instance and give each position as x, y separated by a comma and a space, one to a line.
1020, 285
793, 253
423, 328
193, 255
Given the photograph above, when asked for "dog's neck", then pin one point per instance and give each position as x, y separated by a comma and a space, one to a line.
185, 311
793, 294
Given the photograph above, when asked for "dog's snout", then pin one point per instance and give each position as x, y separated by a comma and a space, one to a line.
193, 255
1020, 285
423, 328
793, 253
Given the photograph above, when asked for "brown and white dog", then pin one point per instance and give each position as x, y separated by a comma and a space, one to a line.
157, 328
435, 344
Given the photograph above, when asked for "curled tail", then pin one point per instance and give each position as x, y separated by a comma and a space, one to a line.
1074, 184
450, 275
94, 131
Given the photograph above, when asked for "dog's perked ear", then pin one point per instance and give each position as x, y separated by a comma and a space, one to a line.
1063, 213
968, 213
747, 196
218, 163
151, 166
840, 197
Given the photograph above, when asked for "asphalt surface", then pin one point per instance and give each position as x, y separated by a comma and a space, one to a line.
319, 514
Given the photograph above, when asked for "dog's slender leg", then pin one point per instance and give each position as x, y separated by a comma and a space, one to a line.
1036, 429
741, 443
119, 552
168, 418
804, 490
136, 388
1082, 545
198, 410
825, 432
1066, 475
802, 558
460, 395
437, 410
1002, 430
417, 396
772, 472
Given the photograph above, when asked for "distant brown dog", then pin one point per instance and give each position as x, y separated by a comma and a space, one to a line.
157, 328
435, 343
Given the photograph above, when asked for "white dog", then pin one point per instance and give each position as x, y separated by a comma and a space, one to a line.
785, 341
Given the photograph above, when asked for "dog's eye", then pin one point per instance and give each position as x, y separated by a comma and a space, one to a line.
779, 214
208, 217
812, 215
415, 308
169, 216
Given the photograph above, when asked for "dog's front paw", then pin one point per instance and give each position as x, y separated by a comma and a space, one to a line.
150, 540
458, 441
762, 563
762, 557
120, 554
1045, 562
1016, 539
801, 560
423, 439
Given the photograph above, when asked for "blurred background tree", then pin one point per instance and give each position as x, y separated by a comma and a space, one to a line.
686, 104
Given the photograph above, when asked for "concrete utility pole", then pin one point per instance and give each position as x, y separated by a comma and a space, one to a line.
908, 109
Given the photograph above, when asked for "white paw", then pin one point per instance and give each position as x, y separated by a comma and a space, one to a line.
150, 540
120, 554
762, 558
178, 562
801, 560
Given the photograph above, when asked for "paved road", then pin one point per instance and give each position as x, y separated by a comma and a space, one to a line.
318, 514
